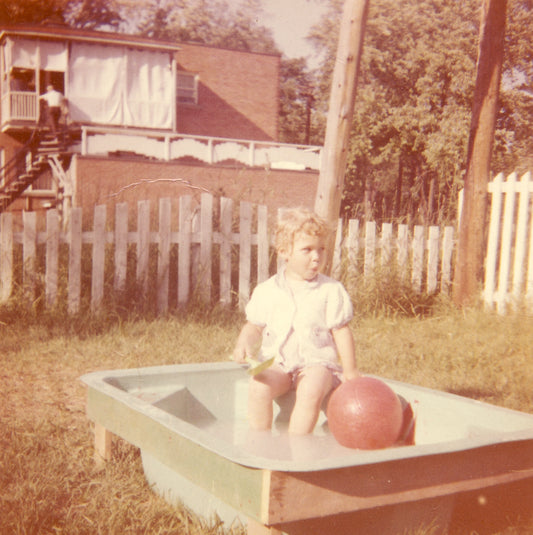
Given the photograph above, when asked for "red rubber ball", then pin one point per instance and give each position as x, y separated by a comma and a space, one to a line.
365, 413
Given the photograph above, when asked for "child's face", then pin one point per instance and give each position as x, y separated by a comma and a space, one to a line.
306, 258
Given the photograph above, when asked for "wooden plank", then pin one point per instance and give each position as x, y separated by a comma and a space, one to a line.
163, 254
491, 257
370, 248
206, 247
519, 266
433, 259
103, 444
403, 250
352, 245
6, 256
357, 488
184, 249
121, 247
99, 242
74, 260
29, 254
143, 245
418, 257
245, 252
506, 244
386, 244
446, 260
52, 257
263, 244
226, 220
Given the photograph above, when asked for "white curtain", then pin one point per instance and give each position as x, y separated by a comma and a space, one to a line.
32, 54
24, 53
53, 56
96, 83
149, 89
120, 86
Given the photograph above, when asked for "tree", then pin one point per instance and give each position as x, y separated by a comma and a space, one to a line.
212, 22
93, 14
411, 122
31, 11
470, 249
297, 118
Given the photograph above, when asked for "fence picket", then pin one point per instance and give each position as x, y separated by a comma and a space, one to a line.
433, 259
386, 244
184, 249
370, 248
403, 248
6, 255
446, 260
52, 257
263, 244
163, 254
121, 246
74, 260
521, 236
143, 244
352, 244
506, 240
29, 254
245, 252
99, 242
418, 257
206, 247
226, 220
496, 188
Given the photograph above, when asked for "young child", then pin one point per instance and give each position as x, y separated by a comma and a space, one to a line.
301, 317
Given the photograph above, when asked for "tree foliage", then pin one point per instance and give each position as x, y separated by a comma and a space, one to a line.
31, 11
212, 22
413, 107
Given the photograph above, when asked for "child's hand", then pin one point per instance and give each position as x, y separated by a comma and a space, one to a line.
239, 355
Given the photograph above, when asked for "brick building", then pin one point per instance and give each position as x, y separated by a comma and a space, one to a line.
142, 119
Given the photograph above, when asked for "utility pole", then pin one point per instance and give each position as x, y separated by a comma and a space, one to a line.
471, 246
340, 114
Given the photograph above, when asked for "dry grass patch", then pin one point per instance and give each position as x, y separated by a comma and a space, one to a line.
49, 483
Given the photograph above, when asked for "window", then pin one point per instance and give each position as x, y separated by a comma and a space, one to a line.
187, 89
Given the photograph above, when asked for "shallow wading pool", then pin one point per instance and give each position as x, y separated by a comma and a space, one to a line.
189, 422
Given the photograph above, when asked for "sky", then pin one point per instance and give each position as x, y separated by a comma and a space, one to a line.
290, 21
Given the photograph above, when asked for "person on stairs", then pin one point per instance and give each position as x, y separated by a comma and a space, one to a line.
54, 100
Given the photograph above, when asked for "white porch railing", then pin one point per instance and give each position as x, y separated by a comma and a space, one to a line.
171, 146
20, 106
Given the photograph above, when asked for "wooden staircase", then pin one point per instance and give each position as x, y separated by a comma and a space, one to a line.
41, 152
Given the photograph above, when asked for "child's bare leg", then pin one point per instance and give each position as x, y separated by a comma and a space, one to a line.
263, 389
313, 386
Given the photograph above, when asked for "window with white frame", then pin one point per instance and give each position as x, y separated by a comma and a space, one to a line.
187, 88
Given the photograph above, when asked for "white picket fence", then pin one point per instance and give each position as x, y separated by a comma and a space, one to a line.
219, 235
509, 258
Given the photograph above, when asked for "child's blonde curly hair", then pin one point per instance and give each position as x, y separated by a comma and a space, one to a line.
296, 221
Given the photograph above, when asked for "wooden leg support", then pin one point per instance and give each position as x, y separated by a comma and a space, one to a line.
103, 444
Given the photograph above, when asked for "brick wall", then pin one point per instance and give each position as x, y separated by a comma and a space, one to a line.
238, 93
113, 180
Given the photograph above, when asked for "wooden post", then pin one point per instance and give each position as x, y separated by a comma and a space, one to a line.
471, 245
103, 444
339, 122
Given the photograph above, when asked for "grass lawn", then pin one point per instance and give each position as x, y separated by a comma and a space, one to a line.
49, 483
